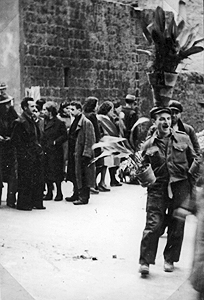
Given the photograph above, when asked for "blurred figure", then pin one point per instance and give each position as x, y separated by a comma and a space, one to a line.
197, 272
129, 116
64, 115
177, 124
90, 108
26, 139
80, 153
54, 135
8, 162
39, 105
108, 127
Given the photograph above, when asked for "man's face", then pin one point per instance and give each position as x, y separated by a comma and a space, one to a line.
176, 115
163, 123
31, 109
45, 112
74, 111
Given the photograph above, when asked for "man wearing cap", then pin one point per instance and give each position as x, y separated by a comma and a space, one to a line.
25, 138
174, 163
129, 116
177, 124
8, 167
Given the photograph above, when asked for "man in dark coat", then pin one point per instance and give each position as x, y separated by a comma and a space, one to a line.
8, 165
129, 116
176, 167
80, 153
25, 138
54, 135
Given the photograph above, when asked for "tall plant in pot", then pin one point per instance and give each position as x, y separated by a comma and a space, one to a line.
172, 44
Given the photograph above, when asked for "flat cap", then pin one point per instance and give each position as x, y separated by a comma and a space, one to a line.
174, 104
157, 110
130, 98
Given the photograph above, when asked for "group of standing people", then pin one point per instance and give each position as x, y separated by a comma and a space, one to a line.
51, 145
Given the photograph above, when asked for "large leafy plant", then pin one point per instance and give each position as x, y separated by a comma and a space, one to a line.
173, 43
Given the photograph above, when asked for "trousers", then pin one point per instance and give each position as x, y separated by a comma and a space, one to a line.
158, 203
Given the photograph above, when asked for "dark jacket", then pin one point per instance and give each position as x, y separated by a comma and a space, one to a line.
179, 161
189, 130
26, 139
54, 134
7, 151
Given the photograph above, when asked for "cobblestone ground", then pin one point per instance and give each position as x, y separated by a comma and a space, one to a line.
87, 252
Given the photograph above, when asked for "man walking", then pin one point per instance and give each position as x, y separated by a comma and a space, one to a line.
80, 141
176, 166
25, 138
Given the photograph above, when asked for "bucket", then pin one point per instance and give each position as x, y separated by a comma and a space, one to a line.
146, 177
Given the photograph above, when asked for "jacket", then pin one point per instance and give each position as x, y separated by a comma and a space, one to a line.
83, 149
177, 163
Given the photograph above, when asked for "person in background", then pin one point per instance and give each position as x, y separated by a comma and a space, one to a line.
107, 127
90, 108
178, 125
26, 139
39, 106
53, 137
176, 167
129, 116
8, 162
65, 116
80, 141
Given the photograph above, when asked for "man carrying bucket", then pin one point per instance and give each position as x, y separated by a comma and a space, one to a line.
176, 167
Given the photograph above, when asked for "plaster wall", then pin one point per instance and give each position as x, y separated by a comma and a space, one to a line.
9, 47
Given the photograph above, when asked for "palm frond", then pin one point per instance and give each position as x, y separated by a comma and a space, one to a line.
160, 18
192, 50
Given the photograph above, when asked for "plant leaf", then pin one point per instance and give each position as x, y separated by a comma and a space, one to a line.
192, 50
180, 27
160, 18
191, 38
172, 30
183, 36
198, 41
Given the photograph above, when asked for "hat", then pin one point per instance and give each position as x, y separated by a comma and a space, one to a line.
3, 86
173, 104
130, 98
5, 98
157, 110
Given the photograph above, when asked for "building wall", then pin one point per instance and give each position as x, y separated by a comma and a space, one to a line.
74, 49
9, 47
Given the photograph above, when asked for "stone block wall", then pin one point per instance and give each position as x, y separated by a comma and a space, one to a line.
74, 49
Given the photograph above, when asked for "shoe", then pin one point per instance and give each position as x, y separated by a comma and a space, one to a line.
24, 208
116, 183
11, 205
168, 266
39, 207
94, 191
48, 197
103, 188
79, 202
144, 269
58, 198
71, 199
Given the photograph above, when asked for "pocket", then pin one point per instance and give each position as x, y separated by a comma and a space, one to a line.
180, 152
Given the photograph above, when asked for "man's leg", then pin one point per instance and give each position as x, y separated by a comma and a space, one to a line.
181, 191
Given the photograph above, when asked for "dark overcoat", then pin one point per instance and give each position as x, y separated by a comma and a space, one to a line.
54, 134
83, 148
25, 138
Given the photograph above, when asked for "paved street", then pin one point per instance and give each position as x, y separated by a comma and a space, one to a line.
88, 252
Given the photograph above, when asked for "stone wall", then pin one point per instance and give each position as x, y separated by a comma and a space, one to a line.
74, 49
9, 47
